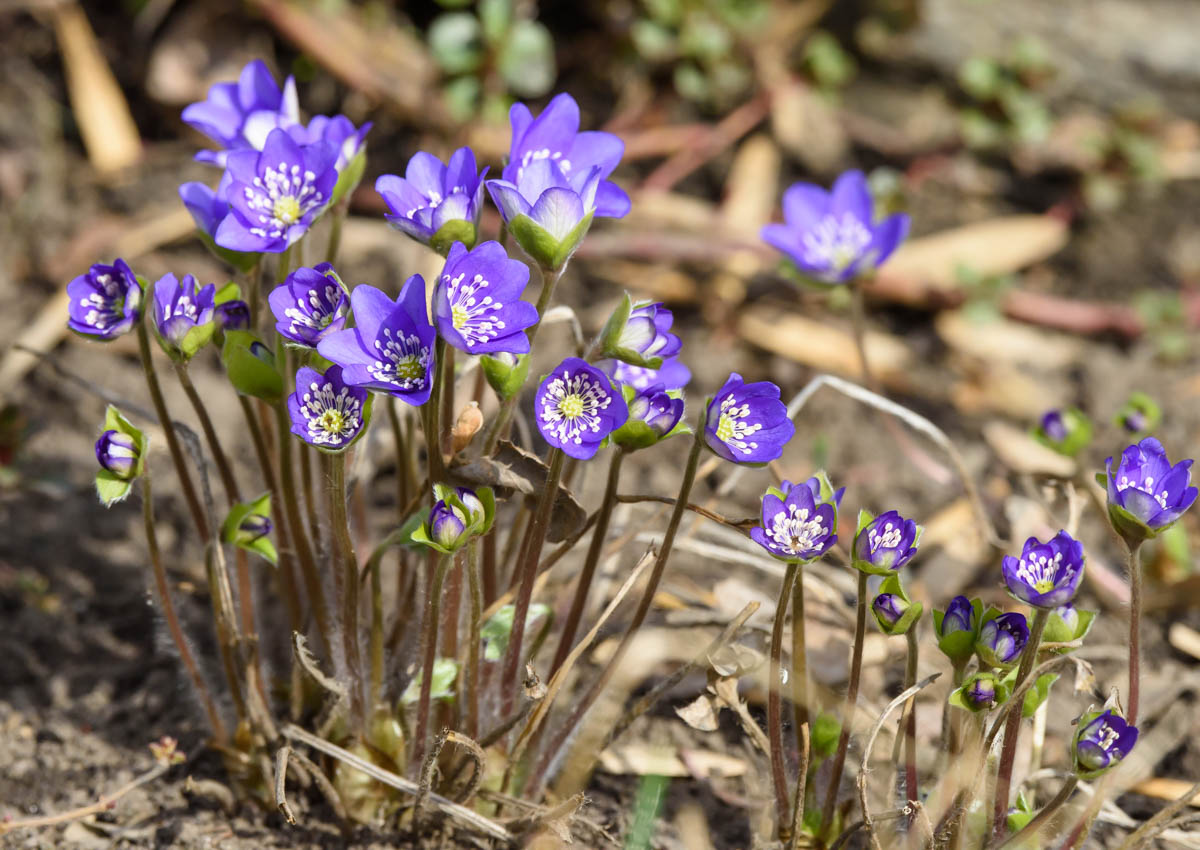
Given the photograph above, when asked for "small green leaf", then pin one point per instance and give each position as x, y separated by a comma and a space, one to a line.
1038, 694
825, 733
498, 628
549, 253
110, 488
253, 374
229, 292
445, 672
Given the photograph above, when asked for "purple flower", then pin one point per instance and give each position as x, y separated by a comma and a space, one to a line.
179, 308
955, 629
232, 315
747, 423
888, 609
1066, 431
391, 347
1047, 574
1102, 740
885, 542
325, 411
799, 521
639, 334
276, 194
576, 407
1139, 414
240, 115
432, 195
960, 617
1002, 639
208, 206
105, 302
476, 510
309, 305
671, 375
553, 137
446, 525
660, 411
1053, 426
1146, 494
118, 453
477, 301
547, 213
254, 526
832, 236
339, 132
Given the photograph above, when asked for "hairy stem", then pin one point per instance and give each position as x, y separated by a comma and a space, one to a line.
839, 755
347, 561
475, 586
591, 561
1135, 631
910, 722
800, 689
429, 640
431, 414
1012, 726
775, 707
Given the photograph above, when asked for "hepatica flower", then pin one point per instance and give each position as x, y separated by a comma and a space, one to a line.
832, 236
325, 411
1102, 740
639, 334
105, 302
434, 202
1002, 639
1065, 430
799, 521
747, 423
956, 628
576, 407
1047, 574
207, 206
885, 542
888, 609
309, 305
118, 453
276, 194
1139, 415
477, 301
391, 347
671, 375
1146, 494
183, 314
232, 315
339, 132
240, 115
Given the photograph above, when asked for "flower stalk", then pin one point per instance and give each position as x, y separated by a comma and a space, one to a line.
839, 755
775, 707
347, 562
429, 640
1135, 629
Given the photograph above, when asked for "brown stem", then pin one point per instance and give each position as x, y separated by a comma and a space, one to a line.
1135, 630
910, 724
335, 479
475, 588
839, 756
775, 707
429, 640
799, 699
1012, 726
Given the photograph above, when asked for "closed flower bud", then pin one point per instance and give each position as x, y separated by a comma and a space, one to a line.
980, 692
1139, 415
888, 608
956, 628
1002, 639
253, 527
476, 513
446, 525
1065, 430
118, 453
233, 315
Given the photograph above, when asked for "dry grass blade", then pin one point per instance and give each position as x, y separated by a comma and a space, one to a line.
281, 766
461, 814
870, 745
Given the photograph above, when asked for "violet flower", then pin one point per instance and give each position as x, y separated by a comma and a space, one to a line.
446, 525
1146, 494
240, 115
232, 315
832, 236
885, 542
309, 305
654, 414
183, 314
436, 203
671, 375
338, 131
980, 692
639, 334
547, 213
477, 301
118, 453
888, 609
1002, 639
325, 411
957, 628
799, 521
576, 407
1046, 575
105, 302
276, 194
747, 423
207, 206
1102, 740
1066, 430
391, 347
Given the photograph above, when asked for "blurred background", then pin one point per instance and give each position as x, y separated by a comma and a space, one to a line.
1049, 154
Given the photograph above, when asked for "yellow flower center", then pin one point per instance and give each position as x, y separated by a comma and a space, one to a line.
286, 209
725, 427
332, 421
459, 317
410, 369
570, 406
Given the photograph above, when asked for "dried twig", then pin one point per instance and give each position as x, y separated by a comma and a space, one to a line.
1145, 833
281, 766
105, 803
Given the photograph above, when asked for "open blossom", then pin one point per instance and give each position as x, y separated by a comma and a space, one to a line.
1002, 639
325, 412
554, 137
180, 306
339, 132
477, 301
576, 407
432, 194
747, 423
832, 236
886, 542
1046, 575
1146, 494
275, 195
671, 375
309, 305
105, 302
240, 115
1102, 740
208, 206
798, 521
391, 347
118, 453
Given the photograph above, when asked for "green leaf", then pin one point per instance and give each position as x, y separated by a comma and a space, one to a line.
229, 292
110, 488
445, 672
526, 60
826, 730
1038, 694
498, 628
504, 379
495, 17
196, 339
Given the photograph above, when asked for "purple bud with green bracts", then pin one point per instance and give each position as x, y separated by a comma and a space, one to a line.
118, 453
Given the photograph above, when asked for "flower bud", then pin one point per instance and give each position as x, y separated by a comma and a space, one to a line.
1002, 639
956, 628
980, 691
446, 525
232, 315
886, 542
252, 528
476, 513
888, 608
1139, 415
1066, 430
118, 453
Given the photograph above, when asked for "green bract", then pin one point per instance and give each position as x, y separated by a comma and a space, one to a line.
506, 379
475, 522
455, 230
1059, 631
251, 366
350, 176
912, 610
1078, 429
112, 488
958, 646
248, 526
980, 681
636, 434
610, 337
550, 253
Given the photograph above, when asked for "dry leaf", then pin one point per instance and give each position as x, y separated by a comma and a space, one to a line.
1005, 341
701, 713
1020, 452
807, 127
734, 660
